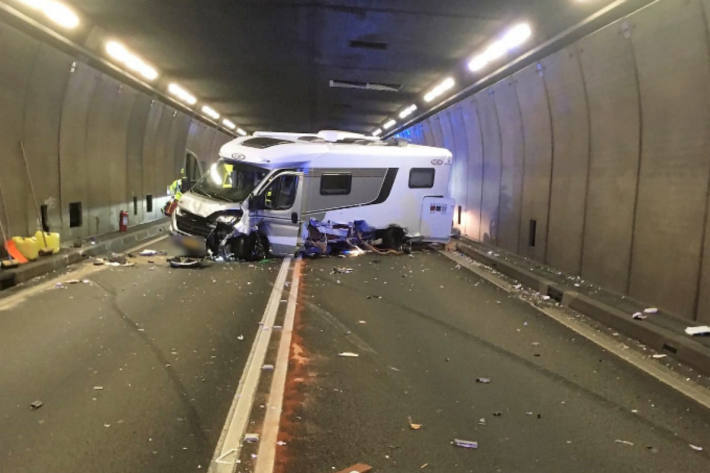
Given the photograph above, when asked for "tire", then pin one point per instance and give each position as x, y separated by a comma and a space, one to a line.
253, 247
393, 238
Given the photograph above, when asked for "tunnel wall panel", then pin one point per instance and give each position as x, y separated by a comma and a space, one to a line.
460, 165
568, 106
537, 134
472, 129
512, 156
491, 167
605, 145
609, 72
88, 138
670, 44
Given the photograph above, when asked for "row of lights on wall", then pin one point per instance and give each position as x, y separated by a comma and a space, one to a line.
66, 18
508, 42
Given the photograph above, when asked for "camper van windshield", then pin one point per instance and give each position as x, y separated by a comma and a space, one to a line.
229, 181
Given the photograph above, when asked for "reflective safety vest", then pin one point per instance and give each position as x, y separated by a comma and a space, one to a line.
175, 189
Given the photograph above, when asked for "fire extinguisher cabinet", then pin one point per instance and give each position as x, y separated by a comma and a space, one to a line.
123, 221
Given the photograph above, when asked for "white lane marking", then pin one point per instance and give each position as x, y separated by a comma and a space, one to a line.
266, 456
230, 441
661, 372
87, 269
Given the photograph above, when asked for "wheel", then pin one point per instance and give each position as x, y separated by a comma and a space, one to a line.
253, 247
393, 238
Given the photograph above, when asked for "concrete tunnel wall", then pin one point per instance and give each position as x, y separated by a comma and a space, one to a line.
606, 145
89, 138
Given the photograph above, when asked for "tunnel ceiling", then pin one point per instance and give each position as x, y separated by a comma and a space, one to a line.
268, 64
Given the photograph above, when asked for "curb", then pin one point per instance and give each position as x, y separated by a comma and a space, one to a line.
67, 256
677, 345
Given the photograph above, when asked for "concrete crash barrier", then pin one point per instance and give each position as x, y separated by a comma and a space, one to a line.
668, 337
68, 256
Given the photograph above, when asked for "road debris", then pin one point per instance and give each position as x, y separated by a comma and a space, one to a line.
483, 380
650, 310
36, 404
148, 253
184, 262
699, 330
268, 367
281, 443
423, 466
465, 443
412, 425
639, 316
658, 356
117, 258
240, 338
497, 414
251, 438
362, 322
357, 468
624, 442
98, 388
341, 270
348, 354
374, 297
697, 448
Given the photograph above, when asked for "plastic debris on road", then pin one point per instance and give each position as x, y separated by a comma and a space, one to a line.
699, 330
697, 448
268, 367
357, 468
148, 253
251, 438
624, 442
348, 354
639, 316
36, 404
650, 310
465, 443
184, 262
341, 270
658, 356
412, 425
483, 380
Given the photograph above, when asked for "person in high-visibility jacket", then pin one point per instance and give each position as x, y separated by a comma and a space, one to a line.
176, 188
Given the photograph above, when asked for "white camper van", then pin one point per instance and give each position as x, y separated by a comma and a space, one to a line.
264, 188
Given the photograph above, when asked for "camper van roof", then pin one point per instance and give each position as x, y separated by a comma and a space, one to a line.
279, 152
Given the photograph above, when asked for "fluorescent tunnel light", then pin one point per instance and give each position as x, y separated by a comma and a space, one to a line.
229, 124
514, 37
132, 62
440, 89
242, 132
407, 111
210, 112
389, 124
55, 11
377, 132
182, 94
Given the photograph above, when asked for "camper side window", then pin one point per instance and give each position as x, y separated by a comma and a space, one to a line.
421, 178
281, 194
335, 184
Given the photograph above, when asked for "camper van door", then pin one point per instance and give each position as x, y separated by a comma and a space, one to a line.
280, 212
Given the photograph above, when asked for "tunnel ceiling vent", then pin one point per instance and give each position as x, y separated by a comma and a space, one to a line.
361, 44
377, 86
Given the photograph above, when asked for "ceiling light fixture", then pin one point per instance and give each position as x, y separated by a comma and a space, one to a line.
242, 132
229, 124
440, 89
513, 38
132, 62
407, 111
210, 112
389, 124
55, 11
182, 94
377, 132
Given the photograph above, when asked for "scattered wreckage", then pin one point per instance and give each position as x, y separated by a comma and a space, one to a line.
283, 193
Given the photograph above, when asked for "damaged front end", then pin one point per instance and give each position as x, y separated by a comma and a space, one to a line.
224, 234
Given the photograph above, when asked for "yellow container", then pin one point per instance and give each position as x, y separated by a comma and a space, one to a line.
27, 246
49, 243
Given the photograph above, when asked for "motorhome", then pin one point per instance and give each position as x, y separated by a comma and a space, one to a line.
264, 188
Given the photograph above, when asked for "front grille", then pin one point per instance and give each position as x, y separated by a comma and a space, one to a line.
193, 224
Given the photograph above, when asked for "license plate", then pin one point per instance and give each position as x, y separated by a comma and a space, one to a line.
193, 243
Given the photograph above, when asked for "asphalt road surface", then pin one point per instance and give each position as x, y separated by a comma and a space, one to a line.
137, 368
555, 401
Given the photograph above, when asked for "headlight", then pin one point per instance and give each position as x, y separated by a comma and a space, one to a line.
227, 219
